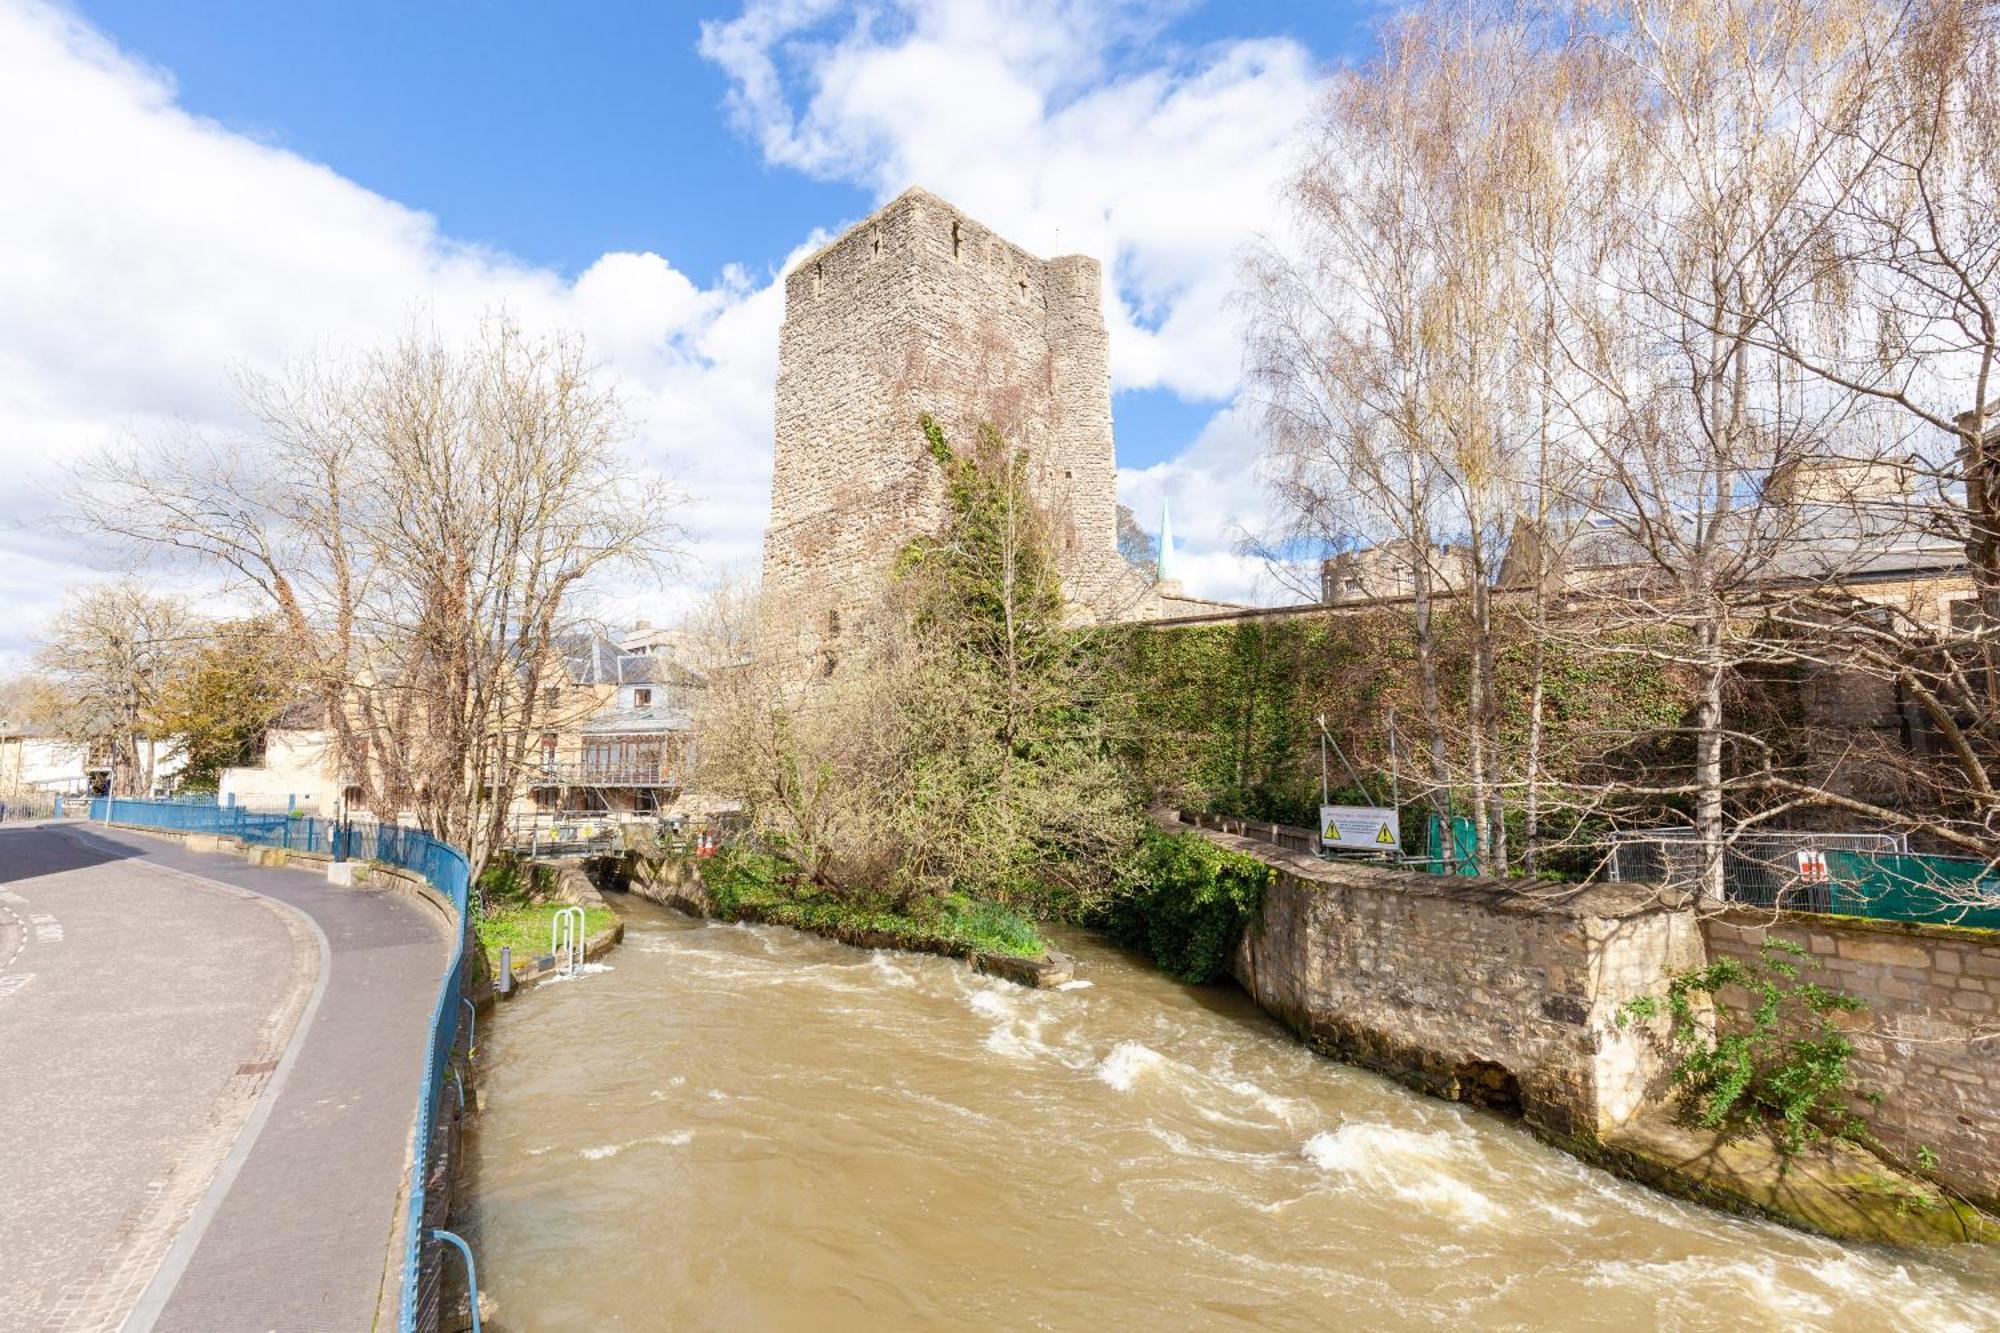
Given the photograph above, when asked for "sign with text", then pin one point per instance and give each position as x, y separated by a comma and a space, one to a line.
1360, 828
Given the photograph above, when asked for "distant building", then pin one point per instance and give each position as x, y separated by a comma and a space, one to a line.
616, 738
33, 763
1388, 572
621, 727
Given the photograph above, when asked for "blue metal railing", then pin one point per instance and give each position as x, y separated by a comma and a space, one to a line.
444, 867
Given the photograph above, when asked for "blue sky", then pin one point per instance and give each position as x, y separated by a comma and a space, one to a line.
227, 183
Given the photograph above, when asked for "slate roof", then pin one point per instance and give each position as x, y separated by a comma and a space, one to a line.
638, 721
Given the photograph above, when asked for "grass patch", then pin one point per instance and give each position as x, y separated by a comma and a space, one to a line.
525, 929
754, 883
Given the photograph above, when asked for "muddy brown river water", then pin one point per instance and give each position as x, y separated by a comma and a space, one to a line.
745, 1128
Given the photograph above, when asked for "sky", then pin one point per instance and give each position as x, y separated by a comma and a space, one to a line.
189, 191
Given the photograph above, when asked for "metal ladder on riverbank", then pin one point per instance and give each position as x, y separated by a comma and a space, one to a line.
569, 926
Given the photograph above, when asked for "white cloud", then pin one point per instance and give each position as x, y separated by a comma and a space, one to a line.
1215, 491
145, 252
1067, 128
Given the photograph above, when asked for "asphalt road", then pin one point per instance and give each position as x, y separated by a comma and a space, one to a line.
208, 1074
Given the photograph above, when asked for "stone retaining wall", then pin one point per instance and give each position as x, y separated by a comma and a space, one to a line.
1499, 992
1930, 1039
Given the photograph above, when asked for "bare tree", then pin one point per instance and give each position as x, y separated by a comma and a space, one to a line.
108, 658
1391, 344
425, 522
1720, 115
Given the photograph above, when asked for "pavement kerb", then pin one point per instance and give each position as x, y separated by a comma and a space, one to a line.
406, 882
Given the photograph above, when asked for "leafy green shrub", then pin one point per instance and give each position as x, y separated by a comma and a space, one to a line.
1185, 901
737, 875
1786, 1067
502, 885
742, 877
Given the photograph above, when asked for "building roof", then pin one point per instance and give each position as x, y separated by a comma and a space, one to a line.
595, 660
638, 722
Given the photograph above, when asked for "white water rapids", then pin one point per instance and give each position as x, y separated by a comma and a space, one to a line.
745, 1128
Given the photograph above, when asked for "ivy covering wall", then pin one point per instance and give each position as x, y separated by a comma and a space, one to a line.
1222, 716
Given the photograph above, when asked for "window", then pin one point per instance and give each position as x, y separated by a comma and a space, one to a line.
548, 749
833, 623
642, 698
819, 277
552, 697
955, 240
1964, 613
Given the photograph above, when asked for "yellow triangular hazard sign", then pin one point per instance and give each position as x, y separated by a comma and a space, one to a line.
1332, 833
1384, 837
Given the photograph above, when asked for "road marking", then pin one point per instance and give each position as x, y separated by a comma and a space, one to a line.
14, 981
20, 938
48, 930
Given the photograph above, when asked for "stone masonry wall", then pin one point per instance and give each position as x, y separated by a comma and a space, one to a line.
1492, 991
918, 308
1931, 994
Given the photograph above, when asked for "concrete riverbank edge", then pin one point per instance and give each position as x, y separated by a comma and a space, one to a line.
573, 888
1507, 994
684, 891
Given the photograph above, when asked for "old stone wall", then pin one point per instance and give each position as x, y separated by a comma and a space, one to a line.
1444, 981
1930, 1040
916, 309
1492, 991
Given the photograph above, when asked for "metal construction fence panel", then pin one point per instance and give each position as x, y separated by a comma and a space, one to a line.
445, 868
1850, 874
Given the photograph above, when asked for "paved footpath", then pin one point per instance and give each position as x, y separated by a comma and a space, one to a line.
208, 1074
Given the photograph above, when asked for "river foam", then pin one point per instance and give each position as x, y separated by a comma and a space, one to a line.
1424, 1167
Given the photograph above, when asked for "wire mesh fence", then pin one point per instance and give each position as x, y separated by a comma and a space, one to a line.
1776, 869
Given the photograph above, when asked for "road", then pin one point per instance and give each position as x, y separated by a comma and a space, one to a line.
208, 1074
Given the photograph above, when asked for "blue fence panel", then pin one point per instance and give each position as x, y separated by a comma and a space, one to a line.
443, 866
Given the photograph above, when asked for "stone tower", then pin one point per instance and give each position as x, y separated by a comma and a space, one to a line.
916, 309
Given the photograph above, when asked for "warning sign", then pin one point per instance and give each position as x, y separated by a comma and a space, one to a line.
1812, 866
1360, 828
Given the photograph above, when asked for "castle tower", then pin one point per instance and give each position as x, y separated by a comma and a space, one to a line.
916, 309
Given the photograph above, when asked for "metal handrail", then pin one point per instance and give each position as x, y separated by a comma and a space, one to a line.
471, 1272
573, 927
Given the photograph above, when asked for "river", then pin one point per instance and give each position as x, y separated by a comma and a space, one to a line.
745, 1128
